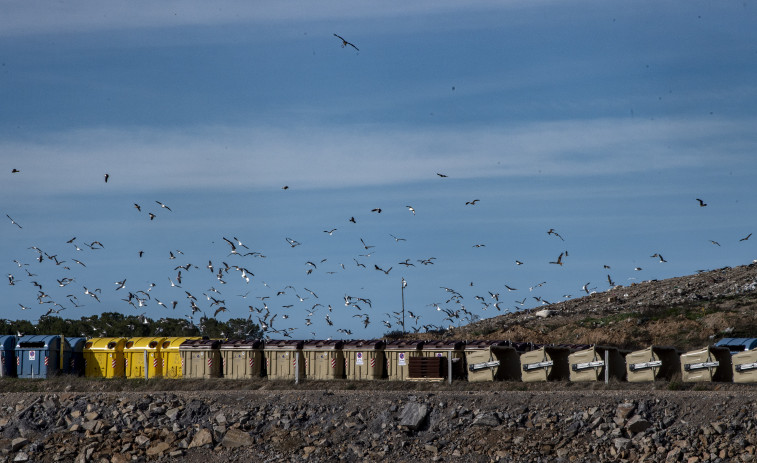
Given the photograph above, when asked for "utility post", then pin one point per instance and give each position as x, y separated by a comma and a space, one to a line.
404, 283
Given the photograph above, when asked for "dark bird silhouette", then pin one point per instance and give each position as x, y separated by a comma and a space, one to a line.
659, 256
377, 210
559, 259
746, 237
285, 187
385, 271
609, 280
715, 243
15, 171
701, 203
163, 206
397, 240
293, 243
107, 176
345, 43
472, 203
352, 219
330, 232
13, 221
441, 175
552, 231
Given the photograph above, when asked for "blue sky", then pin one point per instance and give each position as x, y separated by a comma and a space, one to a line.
604, 121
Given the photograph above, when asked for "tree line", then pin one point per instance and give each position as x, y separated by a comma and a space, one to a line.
118, 325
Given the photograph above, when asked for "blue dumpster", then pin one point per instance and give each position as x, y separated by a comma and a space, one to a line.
73, 356
38, 356
7, 356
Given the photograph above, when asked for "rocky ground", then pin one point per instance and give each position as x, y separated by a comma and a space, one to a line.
112, 421
342, 425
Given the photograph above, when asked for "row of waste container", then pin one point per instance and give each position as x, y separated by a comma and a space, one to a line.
731, 359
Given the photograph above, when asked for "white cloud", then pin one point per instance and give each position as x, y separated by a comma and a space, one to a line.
327, 157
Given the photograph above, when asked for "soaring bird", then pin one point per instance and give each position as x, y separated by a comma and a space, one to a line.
163, 206
472, 203
330, 232
107, 176
410, 208
293, 243
701, 203
746, 237
552, 231
13, 221
441, 175
345, 43
15, 171
715, 242
559, 259
397, 240
659, 256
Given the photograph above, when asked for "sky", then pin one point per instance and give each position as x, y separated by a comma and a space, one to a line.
474, 127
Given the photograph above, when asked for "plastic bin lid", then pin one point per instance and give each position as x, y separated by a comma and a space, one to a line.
37, 341
197, 344
323, 345
485, 344
7, 342
403, 344
277, 344
242, 344
363, 344
443, 345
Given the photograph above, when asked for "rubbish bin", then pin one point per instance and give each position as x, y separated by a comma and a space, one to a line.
398, 355
445, 349
242, 359
652, 363
590, 364
491, 360
364, 359
324, 359
104, 358
171, 357
38, 356
73, 356
284, 359
738, 344
709, 363
135, 358
744, 366
8, 356
200, 358
547, 363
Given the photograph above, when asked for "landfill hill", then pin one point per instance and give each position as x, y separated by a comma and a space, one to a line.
686, 312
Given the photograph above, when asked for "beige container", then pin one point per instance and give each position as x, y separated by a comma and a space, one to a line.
242, 359
491, 361
592, 363
134, 358
364, 360
324, 359
284, 358
444, 349
744, 366
710, 363
398, 355
201, 358
548, 363
651, 364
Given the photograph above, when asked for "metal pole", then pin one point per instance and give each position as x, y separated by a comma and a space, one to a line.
449, 366
296, 368
607, 366
147, 374
404, 283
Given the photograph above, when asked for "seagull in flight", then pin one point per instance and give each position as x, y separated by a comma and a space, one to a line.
13, 221
410, 208
715, 242
107, 176
345, 43
472, 203
330, 232
397, 240
293, 243
746, 237
559, 259
701, 203
552, 231
163, 206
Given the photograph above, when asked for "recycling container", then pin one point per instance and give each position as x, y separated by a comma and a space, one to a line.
324, 359
445, 350
284, 359
364, 359
711, 363
547, 363
171, 357
651, 364
8, 356
592, 363
104, 358
491, 361
73, 356
38, 356
137, 351
744, 366
201, 358
738, 344
398, 355
242, 359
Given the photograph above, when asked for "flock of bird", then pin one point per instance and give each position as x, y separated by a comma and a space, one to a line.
271, 308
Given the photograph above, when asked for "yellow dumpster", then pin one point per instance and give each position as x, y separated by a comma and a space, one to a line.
364, 359
242, 359
324, 359
201, 358
591, 364
104, 358
136, 351
172, 365
284, 359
